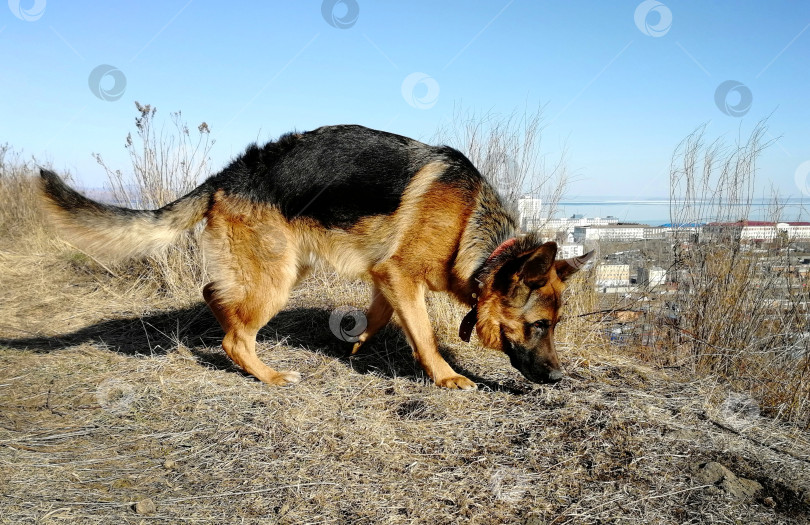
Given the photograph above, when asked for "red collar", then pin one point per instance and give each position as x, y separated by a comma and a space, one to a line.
500, 249
470, 320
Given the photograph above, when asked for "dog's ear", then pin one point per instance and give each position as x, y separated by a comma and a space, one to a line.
568, 267
534, 271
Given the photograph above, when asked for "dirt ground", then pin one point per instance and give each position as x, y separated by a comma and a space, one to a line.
117, 408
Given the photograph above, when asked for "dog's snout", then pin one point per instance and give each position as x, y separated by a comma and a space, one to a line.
555, 376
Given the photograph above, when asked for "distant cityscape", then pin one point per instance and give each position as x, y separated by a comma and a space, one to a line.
619, 272
656, 211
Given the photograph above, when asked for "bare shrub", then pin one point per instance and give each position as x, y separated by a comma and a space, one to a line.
739, 310
165, 166
507, 151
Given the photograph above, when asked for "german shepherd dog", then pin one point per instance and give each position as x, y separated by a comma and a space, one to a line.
408, 216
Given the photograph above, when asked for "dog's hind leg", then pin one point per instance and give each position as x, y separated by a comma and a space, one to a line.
241, 322
254, 268
378, 315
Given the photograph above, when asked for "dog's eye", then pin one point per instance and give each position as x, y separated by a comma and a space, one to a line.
541, 324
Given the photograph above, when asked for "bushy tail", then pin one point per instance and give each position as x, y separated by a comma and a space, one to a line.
115, 233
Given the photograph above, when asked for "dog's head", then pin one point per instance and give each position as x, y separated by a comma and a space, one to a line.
519, 307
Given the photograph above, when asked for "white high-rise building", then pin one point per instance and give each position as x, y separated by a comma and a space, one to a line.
529, 212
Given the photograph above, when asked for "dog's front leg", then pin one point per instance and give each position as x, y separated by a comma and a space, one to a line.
408, 301
378, 315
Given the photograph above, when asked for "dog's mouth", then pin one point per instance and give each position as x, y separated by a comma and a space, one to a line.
528, 364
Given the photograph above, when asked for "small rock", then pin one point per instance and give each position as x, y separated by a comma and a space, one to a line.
146, 506
769, 502
710, 473
169, 464
714, 473
740, 488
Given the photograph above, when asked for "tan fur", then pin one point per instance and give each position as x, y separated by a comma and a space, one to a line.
499, 318
112, 236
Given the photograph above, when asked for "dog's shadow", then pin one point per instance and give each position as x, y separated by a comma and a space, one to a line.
195, 328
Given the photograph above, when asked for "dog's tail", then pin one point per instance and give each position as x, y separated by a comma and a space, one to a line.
115, 233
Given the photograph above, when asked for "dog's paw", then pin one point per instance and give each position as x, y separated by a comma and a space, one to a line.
457, 381
356, 347
285, 378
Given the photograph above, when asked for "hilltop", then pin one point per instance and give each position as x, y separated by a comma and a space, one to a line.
119, 405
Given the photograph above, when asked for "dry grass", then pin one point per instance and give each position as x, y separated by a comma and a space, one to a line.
107, 401
507, 149
737, 319
165, 165
114, 390
21, 221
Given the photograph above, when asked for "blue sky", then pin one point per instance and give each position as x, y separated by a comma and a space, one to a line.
617, 95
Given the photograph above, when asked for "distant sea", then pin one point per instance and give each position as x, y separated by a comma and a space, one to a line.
653, 211
657, 211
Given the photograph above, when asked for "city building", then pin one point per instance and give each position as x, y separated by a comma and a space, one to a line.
611, 233
612, 275
655, 232
683, 231
568, 251
529, 209
651, 277
552, 227
751, 231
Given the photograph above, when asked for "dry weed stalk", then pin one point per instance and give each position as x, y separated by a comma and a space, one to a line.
20, 219
736, 314
165, 166
506, 150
